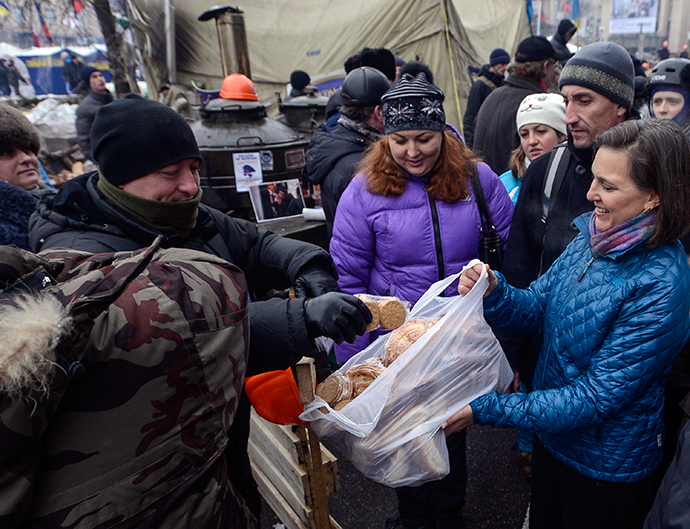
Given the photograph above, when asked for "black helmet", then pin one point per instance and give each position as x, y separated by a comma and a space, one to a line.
363, 87
674, 72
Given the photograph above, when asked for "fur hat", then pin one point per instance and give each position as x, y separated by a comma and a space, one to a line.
135, 136
606, 68
546, 109
413, 103
299, 79
380, 58
16, 131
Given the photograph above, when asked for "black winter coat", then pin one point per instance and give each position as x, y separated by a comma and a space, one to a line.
78, 217
86, 114
331, 162
16, 206
561, 51
495, 132
478, 93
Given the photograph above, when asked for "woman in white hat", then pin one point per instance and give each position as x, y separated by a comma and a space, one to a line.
541, 126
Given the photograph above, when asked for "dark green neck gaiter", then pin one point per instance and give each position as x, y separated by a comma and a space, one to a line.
170, 218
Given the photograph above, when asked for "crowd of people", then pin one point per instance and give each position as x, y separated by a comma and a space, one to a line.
591, 305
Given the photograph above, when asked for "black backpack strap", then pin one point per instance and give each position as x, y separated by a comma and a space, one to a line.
555, 174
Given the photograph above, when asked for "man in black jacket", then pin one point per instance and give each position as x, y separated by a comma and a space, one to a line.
332, 157
98, 96
149, 186
490, 77
495, 133
598, 86
565, 32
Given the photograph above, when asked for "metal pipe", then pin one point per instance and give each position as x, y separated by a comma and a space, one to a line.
170, 58
232, 39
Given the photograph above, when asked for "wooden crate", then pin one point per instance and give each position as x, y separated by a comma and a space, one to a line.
295, 473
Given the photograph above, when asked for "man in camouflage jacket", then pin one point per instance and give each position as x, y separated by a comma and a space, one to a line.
148, 186
120, 417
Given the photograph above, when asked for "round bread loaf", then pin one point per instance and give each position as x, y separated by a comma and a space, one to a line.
335, 388
402, 338
340, 405
371, 368
364, 374
373, 308
393, 312
360, 383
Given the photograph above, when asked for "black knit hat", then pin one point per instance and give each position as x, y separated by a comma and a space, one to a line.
134, 136
535, 48
499, 56
17, 132
413, 103
85, 74
606, 68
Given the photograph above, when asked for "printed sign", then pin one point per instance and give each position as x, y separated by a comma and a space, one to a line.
248, 170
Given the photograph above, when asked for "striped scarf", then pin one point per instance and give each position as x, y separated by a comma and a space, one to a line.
623, 236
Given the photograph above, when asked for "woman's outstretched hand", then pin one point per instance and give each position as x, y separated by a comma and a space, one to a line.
470, 277
459, 421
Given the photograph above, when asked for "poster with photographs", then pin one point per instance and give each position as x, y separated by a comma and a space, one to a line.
276, 200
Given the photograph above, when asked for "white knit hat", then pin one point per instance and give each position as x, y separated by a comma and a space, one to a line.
546, 109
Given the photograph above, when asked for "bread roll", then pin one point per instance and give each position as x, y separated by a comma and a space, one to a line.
370, 368
335, 388
364, 374
360, 383
393, 312
373, 308
403, 337
340, 405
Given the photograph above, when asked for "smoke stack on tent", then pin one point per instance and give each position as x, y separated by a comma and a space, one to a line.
232, 38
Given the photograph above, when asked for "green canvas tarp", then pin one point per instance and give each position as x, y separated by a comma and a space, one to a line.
319, 35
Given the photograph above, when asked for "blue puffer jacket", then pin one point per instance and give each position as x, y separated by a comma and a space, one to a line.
612, 326
399, 246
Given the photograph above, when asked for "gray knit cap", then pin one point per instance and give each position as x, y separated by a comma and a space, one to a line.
606, 68
413, 103
17, 132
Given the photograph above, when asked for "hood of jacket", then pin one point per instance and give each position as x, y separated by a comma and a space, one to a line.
326, 148
491, 76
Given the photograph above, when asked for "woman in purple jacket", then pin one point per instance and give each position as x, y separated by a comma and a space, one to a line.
406, 221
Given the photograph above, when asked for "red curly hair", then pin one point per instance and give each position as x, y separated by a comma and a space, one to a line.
450, 177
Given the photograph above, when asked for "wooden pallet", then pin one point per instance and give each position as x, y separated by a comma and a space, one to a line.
295, 473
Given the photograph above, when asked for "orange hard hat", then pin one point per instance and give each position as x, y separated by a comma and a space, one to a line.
275, 396
238, 86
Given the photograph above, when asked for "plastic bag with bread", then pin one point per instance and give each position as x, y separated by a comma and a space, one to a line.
391, 431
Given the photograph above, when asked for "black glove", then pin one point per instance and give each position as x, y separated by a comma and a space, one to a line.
314, 280
336, 315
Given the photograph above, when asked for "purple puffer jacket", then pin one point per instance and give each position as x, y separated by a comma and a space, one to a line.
386, 246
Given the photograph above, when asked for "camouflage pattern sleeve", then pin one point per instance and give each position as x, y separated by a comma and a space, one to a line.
132, 430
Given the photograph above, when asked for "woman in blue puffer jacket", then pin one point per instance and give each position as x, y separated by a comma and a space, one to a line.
614, 309
406, 221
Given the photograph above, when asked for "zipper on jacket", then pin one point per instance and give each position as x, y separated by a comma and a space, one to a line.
589, 263
548, 346
437, 232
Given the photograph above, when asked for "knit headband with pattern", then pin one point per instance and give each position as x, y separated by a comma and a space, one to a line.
606, 68
413, 103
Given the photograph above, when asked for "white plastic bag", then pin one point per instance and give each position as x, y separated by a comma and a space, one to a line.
391, 432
